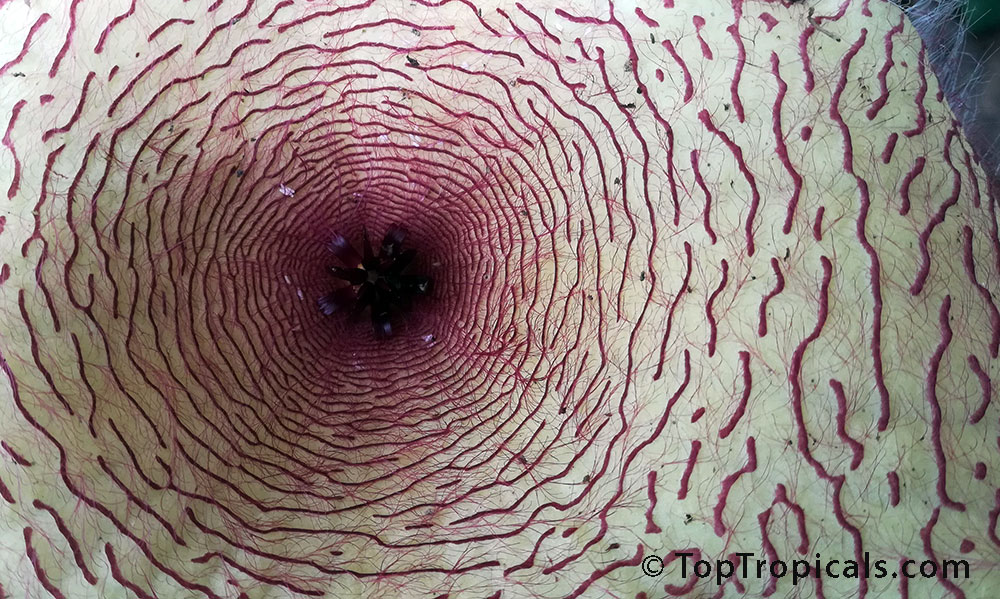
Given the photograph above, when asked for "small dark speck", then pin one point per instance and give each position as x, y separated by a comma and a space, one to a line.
629, 105
239, 172
642, 276
590, 297
586, 478
613, 546
562, 410
640, 91
618, 180
18, 74
412, 61
787, 253
725, 106
652, 38
524, 213
688, 518
137, 55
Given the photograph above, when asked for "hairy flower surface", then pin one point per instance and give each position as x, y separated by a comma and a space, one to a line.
715, 278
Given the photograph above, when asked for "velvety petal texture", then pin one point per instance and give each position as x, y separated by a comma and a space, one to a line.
712, 280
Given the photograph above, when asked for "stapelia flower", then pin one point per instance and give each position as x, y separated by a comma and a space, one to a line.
712, 280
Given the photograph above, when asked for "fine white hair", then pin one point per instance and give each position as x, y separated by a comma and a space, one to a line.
960, 72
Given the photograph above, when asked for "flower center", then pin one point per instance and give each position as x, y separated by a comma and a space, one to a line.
378, 282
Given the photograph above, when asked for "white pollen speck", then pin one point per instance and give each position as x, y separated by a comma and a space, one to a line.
465, 65
299, 293
287, 280
428, 339
383, 137
286, 190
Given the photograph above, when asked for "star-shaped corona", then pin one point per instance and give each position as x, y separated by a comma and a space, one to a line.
376, 282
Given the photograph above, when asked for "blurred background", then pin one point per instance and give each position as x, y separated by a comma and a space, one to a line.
963, 42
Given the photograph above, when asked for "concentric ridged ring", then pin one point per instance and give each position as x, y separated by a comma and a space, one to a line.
649, 242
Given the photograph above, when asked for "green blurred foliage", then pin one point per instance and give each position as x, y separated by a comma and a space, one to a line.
982, 16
